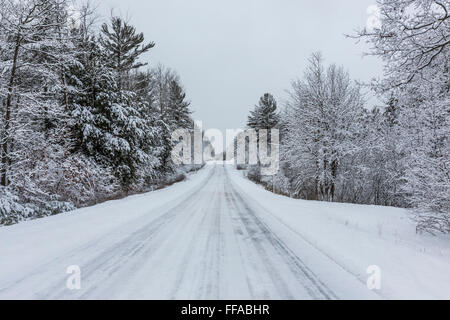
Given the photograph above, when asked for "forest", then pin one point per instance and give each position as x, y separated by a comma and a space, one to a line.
83, 119
334, 147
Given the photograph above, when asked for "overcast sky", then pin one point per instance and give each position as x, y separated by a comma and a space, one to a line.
228, 53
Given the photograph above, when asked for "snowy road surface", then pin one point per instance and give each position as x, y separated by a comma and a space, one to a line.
219, 236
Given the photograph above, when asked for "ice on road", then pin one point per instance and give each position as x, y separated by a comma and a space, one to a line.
217, 236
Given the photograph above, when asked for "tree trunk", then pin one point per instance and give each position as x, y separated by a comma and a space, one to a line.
4, 147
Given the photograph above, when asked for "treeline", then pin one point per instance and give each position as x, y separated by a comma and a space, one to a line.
82, 119
334, 148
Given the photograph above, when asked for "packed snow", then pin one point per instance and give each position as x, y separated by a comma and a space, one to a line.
218, 235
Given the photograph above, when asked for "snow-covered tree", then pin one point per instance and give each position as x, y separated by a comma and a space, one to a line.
322, 119
414, 43
124, 47
172, 109
124, 141
264, 115
178, 108
37, 54
79, 119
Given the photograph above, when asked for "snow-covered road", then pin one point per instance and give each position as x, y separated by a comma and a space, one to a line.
211, 237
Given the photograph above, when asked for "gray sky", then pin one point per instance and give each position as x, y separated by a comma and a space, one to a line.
228, 53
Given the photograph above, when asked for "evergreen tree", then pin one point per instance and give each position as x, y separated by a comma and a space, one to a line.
178, 109
125, 126
173, 110
124, 47
264, 116
79, 122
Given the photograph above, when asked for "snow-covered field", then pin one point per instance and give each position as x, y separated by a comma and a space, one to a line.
219, 236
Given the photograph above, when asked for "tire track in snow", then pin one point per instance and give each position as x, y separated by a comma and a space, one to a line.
310, 243
104, 264
214, 242
142, 243
316, 289
193, 245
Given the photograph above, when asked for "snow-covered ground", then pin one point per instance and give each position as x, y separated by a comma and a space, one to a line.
413, 266
219, 236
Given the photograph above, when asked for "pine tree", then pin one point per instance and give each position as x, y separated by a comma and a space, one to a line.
178, 108
124, 47
123, 121
79, 122
173, 112
264, 116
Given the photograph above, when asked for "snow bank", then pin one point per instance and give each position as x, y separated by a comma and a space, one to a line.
26, 246
413, 266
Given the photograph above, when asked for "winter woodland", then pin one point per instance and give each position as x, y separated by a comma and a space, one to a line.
335, 148
83, 119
